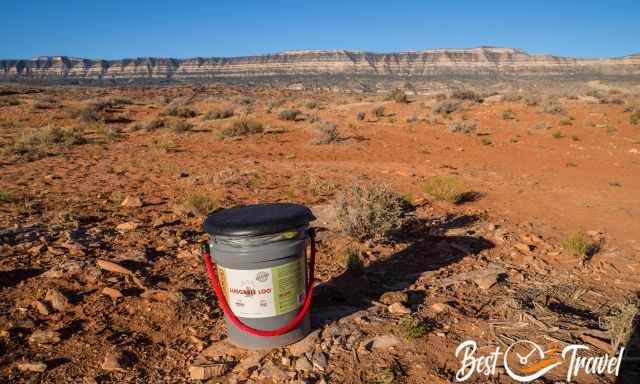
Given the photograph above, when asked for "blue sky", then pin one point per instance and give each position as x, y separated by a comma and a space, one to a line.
114, 29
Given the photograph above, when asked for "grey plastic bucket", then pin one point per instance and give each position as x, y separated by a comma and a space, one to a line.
260, 256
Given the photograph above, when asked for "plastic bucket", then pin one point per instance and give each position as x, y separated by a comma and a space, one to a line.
261, 277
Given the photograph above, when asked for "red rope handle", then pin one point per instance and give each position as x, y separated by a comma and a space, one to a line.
258, 332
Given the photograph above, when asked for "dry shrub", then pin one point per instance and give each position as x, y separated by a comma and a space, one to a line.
242, 127
181, 126
328, 133
397, 95
378, 111
620, 324
289, 114
199, 204
218, 114
465, 94
446, 107
368, 213
360, 116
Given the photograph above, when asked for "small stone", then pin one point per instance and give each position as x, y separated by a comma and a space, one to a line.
114, 294
44, 337
305, 345
58, 301
34, 366
221, 349
66, 270
131, 202
303, 364
206, 372
113, 267
163, 295
524, 248
41, 308
385, 341
486, 281
389, 298
319, 360
128, 226
112, 362
440, 307
251, 361
285, 361
399, 308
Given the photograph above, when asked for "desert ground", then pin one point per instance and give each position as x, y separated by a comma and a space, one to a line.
485, 217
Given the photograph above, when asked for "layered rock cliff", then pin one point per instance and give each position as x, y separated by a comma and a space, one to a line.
484, 61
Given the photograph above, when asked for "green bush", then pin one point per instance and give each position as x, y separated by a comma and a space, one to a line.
445, 188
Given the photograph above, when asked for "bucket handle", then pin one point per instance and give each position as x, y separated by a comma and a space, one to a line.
258, 332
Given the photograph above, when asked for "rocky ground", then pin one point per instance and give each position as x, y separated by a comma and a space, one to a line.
103, 192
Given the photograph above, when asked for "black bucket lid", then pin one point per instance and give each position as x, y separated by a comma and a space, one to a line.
257, 219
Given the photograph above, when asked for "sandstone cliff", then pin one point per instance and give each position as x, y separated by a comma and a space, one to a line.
484, 62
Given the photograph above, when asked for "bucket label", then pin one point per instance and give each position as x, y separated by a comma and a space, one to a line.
267, 292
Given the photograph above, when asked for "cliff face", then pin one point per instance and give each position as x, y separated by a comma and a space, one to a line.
436, 62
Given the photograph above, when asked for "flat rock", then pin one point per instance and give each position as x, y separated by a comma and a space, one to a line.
33, 366
127, 226
44, 337
440, 307
319, 360
251, 361
222, 349
41, 308
112, 362
303, 364
208, 371
163, 295
305, 345
114, 294
399, 308
389, 298
131, 202
113, 267
385, 341
58, 301
326, 216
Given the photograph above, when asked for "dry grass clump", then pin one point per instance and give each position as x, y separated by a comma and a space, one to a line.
33, 146
199, 204
99, 109
178, 111
466, 126
368, 213
218, 114
9, 101
508, 114
553, 107
5, 196
446, 107
352, 260
634, 118
328, 133
580, 244
289, 114
242, 127
620, 324
466, 94
532, 100
153, 124
397, 95
181, 126
445, 188
360, 116
378, 111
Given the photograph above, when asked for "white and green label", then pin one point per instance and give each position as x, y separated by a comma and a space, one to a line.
267, 292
